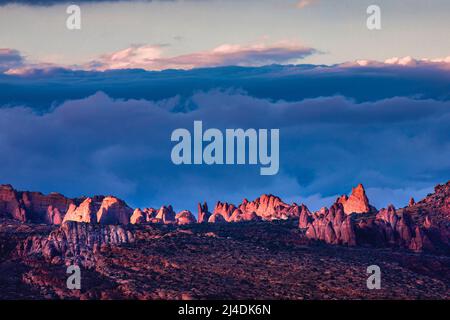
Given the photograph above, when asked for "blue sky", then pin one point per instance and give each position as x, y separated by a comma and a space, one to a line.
91, 111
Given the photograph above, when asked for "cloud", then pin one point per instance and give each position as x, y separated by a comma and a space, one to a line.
56, 2
10, 58
43, 89
305, 3
407, 61
101, 145
151, 57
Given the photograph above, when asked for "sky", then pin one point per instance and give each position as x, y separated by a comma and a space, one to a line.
336, 29
91, 111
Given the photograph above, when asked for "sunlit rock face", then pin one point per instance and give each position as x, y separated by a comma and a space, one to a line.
222, 212
357, 202
99, 209
268, 207
137, 216
203, 213
165, 215
114, 211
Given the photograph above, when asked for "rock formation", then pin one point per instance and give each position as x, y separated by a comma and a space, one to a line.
224, 210
33, 206
165, 215
99, 209
137, 217
75, 243
305, 217
422, 225
238, 216
144, 215
331, 226
357, 202
85, 211
203, 213
268, 207
185, 217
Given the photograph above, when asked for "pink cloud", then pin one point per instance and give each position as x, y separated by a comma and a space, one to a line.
151, 57
408, 61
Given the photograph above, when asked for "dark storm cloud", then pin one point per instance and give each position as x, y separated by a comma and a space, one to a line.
397, 147
43, 89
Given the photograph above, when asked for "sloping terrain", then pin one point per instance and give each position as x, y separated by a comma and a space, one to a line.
248, 260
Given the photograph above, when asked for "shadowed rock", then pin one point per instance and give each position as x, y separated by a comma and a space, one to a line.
75, 243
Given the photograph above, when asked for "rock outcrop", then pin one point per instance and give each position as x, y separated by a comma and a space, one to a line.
357, 202
33, 206
85, 211
222, 212
268, 207
137, 217
75, 243
144, 215
238, 216
305, 217
387, 228
203, 213
99, 209
185, 217
351, 220
165, 215
396, 228
332, 226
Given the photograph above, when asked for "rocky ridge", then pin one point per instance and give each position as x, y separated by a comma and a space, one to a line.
350, 221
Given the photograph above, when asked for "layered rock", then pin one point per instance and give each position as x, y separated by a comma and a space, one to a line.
357, 202
75, 243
